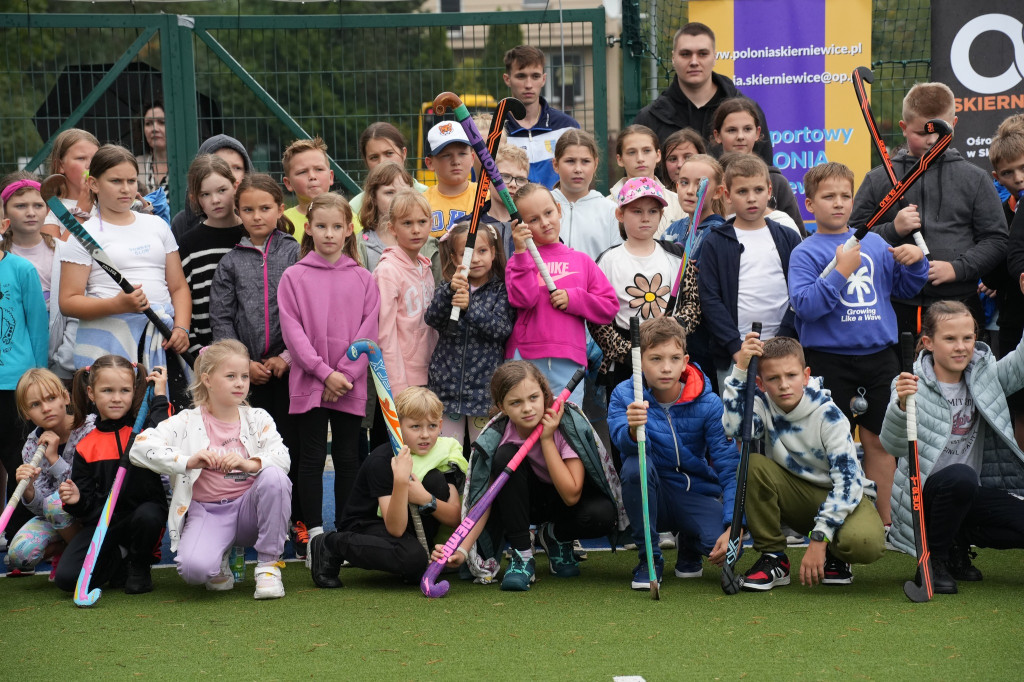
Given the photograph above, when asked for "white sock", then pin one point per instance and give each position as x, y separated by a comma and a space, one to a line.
316, 530
527, 554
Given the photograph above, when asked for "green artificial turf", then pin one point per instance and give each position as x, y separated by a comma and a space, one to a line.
589, 628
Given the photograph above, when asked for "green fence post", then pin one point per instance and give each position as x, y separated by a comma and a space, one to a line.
632, 64
598, 47
180, 109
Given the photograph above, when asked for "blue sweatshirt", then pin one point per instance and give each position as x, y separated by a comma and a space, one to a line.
849, 316
24, 323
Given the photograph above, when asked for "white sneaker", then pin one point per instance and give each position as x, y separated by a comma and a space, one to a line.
268, 581
666, 540
223, 581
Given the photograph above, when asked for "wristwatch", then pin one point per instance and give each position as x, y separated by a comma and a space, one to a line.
818, 536
429, 507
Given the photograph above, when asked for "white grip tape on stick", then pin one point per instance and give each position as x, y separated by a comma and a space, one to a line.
849, 244
638, 389
545, 275
911, 418
919, 240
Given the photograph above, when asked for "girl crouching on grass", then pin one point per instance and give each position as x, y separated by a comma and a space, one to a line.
567, 485
231, 475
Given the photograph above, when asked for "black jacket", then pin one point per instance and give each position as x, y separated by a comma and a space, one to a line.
672, 111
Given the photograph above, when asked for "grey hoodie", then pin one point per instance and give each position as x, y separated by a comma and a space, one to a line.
186, 218
243, 296
961, 215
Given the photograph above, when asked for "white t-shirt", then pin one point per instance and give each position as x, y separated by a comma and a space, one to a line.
139, 251
41, 256
640, 282
69, 204
964, 446
763, 295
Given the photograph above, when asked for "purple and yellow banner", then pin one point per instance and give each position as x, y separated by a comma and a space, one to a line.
795, 57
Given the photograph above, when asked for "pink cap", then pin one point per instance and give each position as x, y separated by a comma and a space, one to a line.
634, 188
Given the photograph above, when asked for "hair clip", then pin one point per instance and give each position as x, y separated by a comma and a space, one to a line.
203, 350
443, 238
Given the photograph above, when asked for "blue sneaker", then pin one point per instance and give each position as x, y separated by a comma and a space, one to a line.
519, 574
642, 576
561, 557
689, 568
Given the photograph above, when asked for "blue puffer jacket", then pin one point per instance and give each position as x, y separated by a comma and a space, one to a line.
684, 437
1002, 462
463, 361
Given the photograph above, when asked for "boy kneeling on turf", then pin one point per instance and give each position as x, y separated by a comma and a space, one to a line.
810, 478
684, 427
376, 528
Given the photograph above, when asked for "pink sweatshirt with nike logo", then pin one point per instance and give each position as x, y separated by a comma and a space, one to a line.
541, 330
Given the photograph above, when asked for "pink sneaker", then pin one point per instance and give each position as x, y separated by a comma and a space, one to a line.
54, 560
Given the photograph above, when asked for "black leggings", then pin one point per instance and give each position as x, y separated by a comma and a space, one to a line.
12, 438
956, 506
366, 543
526, 499
140, 532
309, 483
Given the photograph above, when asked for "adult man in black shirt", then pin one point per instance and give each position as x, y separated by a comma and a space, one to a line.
696, 91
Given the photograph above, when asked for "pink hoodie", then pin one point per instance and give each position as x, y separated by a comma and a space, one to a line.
324, 307
543, 331
407, 342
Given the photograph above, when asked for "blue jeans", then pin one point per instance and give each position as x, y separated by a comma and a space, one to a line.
671, 507
558, 371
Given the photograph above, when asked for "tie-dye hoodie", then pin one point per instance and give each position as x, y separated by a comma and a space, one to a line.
812, 442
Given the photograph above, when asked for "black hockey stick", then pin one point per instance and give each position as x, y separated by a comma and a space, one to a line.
919, 589
731, 582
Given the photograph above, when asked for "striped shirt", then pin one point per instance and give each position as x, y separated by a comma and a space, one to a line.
201, 249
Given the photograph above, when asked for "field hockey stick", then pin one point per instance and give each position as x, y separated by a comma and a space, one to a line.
5, 518
427, 585
387, 406
919, 589
84, 596
861, 75
103, 260
493, 139
731, 582
702, 190
56, 185
641, 444
450, 101
935, 125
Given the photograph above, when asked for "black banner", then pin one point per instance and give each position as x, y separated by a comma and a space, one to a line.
978, 51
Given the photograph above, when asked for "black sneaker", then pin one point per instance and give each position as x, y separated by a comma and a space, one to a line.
942, 581
139, 580
836, 572
323, 565
959, 564
768, 572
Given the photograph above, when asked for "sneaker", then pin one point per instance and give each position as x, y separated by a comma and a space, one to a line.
792, 537
268, 581
300, 539
767, 572
666, 541
223, 581
561, 558
313, 532
888, 543
54, 560
629, 546
520, 573
642, 576
959, 564
139, 580
20, 573
689, 568
836, 572
324, 566
579, 551
942, 581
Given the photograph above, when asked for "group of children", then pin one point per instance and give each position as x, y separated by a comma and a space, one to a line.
270, 299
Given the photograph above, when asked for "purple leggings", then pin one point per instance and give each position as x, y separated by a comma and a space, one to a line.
259, 518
